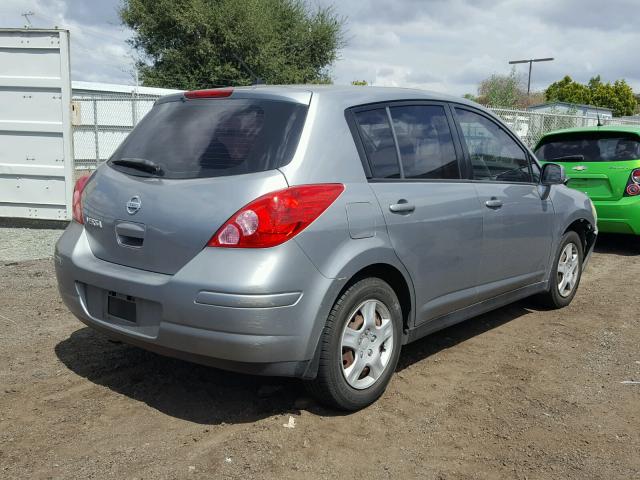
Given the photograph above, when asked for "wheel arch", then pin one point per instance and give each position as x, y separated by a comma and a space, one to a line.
394, 275
396, 280
585, 231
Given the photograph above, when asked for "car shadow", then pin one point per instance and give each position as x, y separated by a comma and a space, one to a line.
209, 396
456, 334
618, 244
181, 389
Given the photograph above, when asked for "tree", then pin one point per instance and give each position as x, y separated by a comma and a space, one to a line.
193, 44
361, 83
618, 96
501, 91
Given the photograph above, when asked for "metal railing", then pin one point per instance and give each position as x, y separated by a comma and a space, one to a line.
100, 124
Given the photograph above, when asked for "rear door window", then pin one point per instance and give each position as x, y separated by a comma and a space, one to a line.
213, 138
425, 142
379, 146
495, 156
589, 147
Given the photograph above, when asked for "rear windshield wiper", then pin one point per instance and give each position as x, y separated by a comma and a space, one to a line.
140, 164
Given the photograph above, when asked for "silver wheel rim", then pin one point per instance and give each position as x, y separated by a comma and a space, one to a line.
568, 269
367, 344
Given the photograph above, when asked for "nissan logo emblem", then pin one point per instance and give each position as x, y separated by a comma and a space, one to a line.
133, 205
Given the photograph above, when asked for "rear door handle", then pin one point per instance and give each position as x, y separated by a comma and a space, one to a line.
493, 203
402, 207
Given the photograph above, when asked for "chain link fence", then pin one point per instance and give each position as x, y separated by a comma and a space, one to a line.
531, 126
100, 124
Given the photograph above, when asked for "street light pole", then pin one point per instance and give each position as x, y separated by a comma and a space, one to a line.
530, 62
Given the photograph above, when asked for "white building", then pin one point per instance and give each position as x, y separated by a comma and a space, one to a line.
566, 108
100, 90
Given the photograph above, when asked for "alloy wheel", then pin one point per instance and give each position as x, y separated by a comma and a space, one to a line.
568, 269
367, 343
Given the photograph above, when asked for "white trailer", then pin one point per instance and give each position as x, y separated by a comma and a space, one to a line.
36, 151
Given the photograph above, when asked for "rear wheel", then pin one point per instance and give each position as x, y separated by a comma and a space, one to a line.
566, 272
359, 347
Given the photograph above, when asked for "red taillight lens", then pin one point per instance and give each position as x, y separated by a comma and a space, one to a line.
633, 189
76, 204
635, 175
210, 93
276, 217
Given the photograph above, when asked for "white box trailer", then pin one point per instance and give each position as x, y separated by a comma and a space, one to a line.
36, 151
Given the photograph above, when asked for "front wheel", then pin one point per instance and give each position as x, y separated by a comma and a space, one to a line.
359, 347
566, 272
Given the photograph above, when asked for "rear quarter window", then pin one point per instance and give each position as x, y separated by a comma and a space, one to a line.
379, 145
213, 138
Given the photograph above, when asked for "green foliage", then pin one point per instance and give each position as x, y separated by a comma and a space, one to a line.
617, 96
192, 44
361, 83
502, 91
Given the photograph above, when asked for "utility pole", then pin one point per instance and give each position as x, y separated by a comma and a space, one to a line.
530, 62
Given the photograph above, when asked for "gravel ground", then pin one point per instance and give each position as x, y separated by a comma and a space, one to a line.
28, 240
517, 393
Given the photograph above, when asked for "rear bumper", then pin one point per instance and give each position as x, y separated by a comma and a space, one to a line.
257, 311
620, 216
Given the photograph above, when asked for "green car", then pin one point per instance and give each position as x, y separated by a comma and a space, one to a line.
604, 163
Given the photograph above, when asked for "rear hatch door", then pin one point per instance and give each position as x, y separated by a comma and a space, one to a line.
213, 156
597, 163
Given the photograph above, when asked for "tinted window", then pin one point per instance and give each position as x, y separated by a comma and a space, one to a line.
212, 138
378, 143
494, 154
589, 147
425, 142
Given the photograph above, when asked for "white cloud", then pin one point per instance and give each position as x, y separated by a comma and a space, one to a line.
445, 45
451, 46
99, 51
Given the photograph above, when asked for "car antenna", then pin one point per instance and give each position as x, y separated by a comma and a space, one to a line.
599, 121
256, 80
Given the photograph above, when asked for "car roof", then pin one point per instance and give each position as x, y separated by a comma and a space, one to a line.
358, 94
346, 95
633, 129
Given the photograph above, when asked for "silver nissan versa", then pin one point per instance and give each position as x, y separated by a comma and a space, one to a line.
312, 231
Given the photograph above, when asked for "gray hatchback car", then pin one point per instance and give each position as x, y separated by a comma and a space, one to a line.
312, 231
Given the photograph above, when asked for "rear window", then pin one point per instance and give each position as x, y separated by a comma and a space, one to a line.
589, 147
213, 138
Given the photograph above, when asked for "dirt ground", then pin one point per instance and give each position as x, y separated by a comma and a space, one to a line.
517, 393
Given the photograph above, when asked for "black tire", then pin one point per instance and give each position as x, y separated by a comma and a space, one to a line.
553, 297
330, 386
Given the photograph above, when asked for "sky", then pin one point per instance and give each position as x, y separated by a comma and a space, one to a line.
443, 45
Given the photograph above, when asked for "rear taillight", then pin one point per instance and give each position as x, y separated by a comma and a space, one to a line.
77, 198
276, 217
210, 93
633, 185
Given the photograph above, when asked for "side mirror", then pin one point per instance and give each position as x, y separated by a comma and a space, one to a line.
553, 174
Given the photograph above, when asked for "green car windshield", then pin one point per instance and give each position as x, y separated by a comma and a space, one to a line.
589, 147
